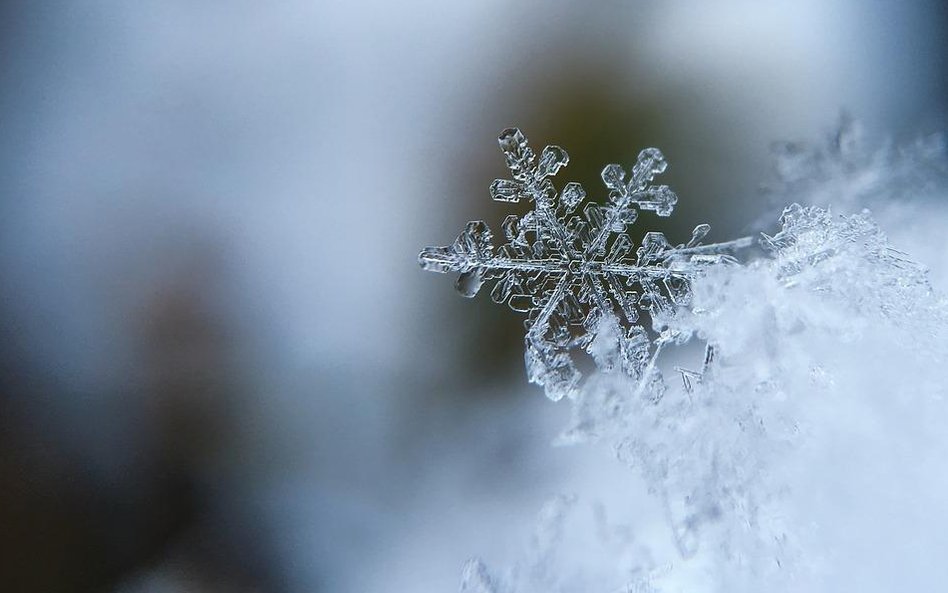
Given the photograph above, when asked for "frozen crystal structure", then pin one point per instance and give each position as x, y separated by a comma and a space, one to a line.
819, 409
573, 271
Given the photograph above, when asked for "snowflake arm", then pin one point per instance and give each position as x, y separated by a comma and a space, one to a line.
574, 274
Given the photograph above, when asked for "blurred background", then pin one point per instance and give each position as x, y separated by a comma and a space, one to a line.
223, 370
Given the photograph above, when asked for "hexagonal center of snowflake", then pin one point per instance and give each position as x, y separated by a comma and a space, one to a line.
568, 268
582, 266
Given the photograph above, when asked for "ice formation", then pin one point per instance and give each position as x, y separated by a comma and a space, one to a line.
573, 273
808, 453
813, 442
905, 185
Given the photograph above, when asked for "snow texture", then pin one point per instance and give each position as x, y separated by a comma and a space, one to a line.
573, 273
812, 443
849, 172
808, 453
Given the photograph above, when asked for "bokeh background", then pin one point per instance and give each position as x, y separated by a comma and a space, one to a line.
221, 367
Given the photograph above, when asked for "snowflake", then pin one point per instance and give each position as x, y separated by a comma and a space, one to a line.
572, 273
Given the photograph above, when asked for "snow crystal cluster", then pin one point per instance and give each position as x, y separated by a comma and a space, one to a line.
808, 453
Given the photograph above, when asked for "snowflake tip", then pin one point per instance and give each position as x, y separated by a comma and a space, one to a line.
518, 153
472, 249
613, 176
552, 159
699, 233
651, 162
505, 190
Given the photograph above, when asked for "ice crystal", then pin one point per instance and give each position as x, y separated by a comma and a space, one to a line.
904, 184
832, 333
573, 272
818, 412
806, 339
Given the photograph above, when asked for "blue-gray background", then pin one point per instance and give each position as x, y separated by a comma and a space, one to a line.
222, 369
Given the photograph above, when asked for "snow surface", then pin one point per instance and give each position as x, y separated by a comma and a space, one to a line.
809, 454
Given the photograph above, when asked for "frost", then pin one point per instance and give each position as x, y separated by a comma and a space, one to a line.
810, 442
850, 172
904, 184
575, 548
476, 579
831, 335
574, 273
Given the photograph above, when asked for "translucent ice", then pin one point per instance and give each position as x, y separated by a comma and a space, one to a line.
573, 273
